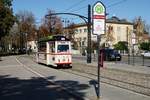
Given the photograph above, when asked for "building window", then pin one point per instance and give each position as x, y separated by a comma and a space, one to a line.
85, 30
118, 29
76, 30
84, 38
118, 33
80, 30
82, 43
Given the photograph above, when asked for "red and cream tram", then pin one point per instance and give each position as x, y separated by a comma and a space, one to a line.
54, 50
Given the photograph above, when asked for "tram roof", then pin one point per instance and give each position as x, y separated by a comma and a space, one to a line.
53, 38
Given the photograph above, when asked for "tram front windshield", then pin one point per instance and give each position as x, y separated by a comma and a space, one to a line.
63, 48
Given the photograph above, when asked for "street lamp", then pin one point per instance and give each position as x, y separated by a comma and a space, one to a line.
66, 24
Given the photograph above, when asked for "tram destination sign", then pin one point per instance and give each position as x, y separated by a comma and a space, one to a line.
99, 17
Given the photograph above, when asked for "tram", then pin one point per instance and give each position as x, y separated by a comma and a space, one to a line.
54, 50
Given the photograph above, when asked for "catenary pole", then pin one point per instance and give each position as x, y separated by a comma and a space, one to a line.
89, 36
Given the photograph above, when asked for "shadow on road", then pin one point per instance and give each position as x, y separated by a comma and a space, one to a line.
12, 88
95, 84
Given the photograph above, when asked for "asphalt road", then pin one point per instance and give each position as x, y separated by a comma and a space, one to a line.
35, 82
18, 83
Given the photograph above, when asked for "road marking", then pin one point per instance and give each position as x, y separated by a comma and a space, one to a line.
31, 70
42, 76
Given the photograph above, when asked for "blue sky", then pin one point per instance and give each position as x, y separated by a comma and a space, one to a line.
128, 9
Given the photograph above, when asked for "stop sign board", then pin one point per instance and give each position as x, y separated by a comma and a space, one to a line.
99, 17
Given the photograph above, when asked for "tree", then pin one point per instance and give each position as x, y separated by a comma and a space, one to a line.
43, 31
7, 18
51, 25
121, 45
7, 3
27, 27
109, 34
26, 22
139, 28
147, 28
145, 46
15, 37
70, 33
94, 45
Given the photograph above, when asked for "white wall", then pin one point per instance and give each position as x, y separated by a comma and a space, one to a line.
33, 45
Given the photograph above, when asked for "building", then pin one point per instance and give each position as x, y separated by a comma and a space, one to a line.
32, 45
116, 30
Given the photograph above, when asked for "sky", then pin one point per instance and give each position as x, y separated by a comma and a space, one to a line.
124, 9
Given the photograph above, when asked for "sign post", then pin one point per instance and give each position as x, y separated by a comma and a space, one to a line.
99, 18
133, 45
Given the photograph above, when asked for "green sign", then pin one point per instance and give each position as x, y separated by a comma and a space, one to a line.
99, 9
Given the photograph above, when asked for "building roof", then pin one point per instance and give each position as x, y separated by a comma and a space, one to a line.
146, 37
113, 19
116, 20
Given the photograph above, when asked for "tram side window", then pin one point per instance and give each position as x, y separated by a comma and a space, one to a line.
42, 47
52, 47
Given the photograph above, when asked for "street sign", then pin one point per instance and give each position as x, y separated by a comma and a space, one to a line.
99, 17
133, 38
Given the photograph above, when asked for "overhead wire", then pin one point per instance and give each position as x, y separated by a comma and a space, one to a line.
79, 9
81, 1
72, 8
74, 5
116, 3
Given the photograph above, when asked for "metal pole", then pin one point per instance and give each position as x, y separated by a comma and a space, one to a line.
89, 36
98, 72
133, 55
143, 60
128, 55
128, 45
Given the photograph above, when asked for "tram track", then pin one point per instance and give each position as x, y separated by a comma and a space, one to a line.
91, 73
100, 76
139, 83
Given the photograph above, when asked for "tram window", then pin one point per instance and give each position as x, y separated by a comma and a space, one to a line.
63, 48
52, 48
42, 47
